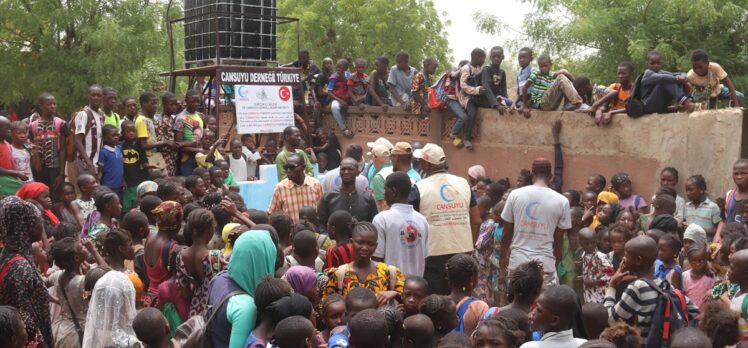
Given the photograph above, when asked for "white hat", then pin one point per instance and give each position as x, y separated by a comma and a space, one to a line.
380, 150
382, 141
431, 153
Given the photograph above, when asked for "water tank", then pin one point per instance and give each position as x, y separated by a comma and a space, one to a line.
246, 30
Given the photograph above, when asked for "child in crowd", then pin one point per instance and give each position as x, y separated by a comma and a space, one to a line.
422, 80
68, 286
136, 223
65, 209
669, 177
738, 274
10, 178
379, 93
710, 83
25, 154
111, 173
621, 184
211, 123
196, 186
595, 183
188, 129
603, 239
338, 84
638, 300
254, 158
524, 58
571, 252
418, 331
700, 209
484, 247
369, 329
556, 309
414, 291
356, 301
614, 102
493, 79
596, 267
108, 208
666, 266
594, 318
462, 272
269, 152
268, 291
546, 90
622, 335
618, 235
659, 88
238, 162
295, 332
698, 281
629, 219
497, 332
574, 197
339, 228
719, 324
329, 146
442, 312
136, 165
47, 133
158, 246
13, 326
118, 250
333, 314
358, 84
305, 252
663, 205
152, 329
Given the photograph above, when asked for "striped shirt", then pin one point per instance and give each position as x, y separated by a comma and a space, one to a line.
706, 214
290, 198
639, 299
540, 83
338, 255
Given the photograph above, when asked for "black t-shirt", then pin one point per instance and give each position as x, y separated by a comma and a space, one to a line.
135, 161
333, 152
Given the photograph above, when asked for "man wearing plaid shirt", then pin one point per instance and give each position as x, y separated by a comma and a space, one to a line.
296, 191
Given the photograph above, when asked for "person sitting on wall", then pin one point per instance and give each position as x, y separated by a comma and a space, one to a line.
545, 90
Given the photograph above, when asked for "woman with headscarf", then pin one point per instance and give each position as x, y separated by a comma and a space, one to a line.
20, 283
303, 281
158, 247
111, 313
39, 194
474, 173
231, 292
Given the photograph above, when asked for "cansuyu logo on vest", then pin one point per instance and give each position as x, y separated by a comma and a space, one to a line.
447, 193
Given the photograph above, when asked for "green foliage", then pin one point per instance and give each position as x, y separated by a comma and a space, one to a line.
593, 36
353, 29
63, 46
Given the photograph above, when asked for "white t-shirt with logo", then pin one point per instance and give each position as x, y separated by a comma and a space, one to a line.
536, 212
402, 238
22, 162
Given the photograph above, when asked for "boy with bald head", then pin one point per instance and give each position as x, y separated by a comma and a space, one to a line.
639, 299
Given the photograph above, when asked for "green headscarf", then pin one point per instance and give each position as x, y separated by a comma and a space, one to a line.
252, 258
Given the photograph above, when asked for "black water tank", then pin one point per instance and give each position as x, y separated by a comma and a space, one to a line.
246, 29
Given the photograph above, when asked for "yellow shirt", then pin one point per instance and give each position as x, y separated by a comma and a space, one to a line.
200, 159
144, 129
708, 83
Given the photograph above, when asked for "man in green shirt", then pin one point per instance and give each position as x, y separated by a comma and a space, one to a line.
291, 142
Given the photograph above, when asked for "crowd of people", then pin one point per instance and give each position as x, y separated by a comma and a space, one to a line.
125, 231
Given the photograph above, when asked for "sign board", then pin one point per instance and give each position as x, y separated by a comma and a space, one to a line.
262, 97
263, 108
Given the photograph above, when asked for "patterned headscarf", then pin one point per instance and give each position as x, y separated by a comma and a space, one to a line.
147, 187
168, 216
18, 220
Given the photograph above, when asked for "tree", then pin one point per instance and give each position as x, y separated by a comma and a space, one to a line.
63, 46
593, 36
354, 29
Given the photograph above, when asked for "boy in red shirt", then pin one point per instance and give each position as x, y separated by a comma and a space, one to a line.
338, 84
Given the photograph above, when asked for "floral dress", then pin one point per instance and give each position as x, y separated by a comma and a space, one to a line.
212, 264
484, 249
595, 265
342, 280
164, 129
420, 84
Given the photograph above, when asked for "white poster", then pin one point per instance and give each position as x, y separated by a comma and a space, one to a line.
263, 108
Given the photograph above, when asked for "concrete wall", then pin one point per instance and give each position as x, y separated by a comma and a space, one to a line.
706, 142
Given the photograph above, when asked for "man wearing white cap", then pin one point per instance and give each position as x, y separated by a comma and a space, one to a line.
450, 207
369, 170
383, 167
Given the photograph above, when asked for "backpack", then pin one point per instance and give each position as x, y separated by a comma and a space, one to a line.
670, 315
194, 332
438, 93
635, 105
461, 315
70, 150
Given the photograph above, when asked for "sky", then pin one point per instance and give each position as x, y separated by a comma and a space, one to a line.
463, 36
